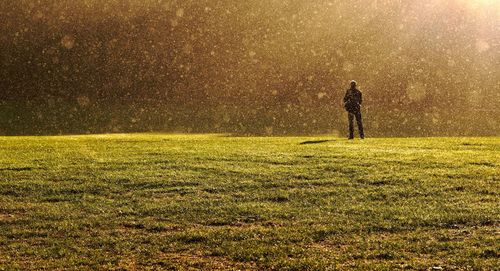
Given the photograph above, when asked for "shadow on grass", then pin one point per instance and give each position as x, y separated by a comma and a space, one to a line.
315, 142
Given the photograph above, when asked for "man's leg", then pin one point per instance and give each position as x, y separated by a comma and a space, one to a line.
351, 125
360, 125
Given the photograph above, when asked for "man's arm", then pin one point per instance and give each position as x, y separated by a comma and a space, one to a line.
360, 98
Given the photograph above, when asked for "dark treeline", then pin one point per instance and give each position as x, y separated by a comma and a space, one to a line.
427, 68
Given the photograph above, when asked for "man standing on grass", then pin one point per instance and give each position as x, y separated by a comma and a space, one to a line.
352, 104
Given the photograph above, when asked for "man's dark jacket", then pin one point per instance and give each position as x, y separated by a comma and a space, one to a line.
352, 100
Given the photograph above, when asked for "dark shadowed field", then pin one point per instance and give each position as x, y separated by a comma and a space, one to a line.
185, 202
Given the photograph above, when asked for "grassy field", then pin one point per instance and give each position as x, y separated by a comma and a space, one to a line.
187, 202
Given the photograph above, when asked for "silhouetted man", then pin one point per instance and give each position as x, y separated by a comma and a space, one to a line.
352, 103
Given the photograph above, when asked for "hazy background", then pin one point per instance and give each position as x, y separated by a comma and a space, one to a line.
426, 67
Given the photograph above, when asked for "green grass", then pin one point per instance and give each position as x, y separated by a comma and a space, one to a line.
215, 202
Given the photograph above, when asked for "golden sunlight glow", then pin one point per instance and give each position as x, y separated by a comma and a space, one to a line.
483, 3
487, 1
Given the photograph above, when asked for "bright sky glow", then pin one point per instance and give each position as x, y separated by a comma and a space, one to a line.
483, 3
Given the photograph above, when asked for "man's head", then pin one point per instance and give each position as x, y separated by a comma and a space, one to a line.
353, 84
